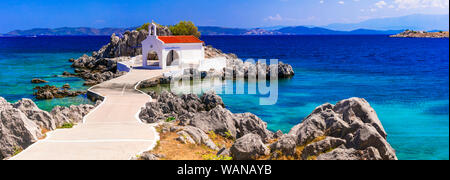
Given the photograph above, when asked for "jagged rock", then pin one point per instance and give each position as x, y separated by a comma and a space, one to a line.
194, 103
96, 70
421, 34
366, 137
285, 70
189, 134
211, 100
352, 120
359, 110
207, 113
149, 83
278, 134
286, 145
128, 45
68, 74
317, 148
38, 81
42, 118
17, 132
151, 113
248, 147
218, 120
50, 92
72, 114
370, 153
224, 152
149, 156
249, 123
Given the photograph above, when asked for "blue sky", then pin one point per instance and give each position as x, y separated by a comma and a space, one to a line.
26, 14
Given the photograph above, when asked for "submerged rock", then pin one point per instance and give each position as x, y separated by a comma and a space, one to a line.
38, 81
50, 92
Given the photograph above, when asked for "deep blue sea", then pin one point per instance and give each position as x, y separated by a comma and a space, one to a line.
405, 80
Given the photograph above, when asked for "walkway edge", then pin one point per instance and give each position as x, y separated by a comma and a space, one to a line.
157, 138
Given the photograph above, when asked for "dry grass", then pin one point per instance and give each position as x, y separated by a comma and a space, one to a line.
44, 132
175, 150
298, 151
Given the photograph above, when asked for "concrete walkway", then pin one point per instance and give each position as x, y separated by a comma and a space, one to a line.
112, 131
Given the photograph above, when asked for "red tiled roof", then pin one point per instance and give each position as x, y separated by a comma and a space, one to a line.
179, 39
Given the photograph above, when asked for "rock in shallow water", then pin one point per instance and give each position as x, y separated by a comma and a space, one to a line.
37, 81
353, 121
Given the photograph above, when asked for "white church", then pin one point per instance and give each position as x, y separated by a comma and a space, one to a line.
171, 51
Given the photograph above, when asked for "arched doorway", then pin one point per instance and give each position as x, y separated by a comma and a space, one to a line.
173, 58
152, 58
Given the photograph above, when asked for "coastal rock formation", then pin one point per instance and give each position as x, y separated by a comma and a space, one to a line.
248, 147
353, 121
38, 81
16, 131
211, 52
193, 135
128, 45
206, 113
23, 123
284, 146
72, 114
349, 130
235, 68
50, 92
96, 70
42, 118
422, 34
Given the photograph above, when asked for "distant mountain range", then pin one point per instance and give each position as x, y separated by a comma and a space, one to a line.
419, 22
386, 26
68, 31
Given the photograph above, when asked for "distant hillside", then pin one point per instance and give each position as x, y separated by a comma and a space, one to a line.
205, 30
302, 30
67, 31
416, 22
213, 30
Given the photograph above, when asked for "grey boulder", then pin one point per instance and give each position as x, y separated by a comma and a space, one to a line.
249, 147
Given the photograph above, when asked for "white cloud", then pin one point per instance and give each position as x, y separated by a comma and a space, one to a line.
274, 18
381, 4
413, 4
321, 1
341, 2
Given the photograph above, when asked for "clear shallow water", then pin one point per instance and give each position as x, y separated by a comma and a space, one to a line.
25, 58
405, 80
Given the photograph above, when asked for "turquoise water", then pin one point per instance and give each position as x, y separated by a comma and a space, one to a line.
405, 80
24, 58
19, 69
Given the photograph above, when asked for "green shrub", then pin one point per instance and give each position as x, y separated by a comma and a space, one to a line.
67, 126
215, 157
228, 135
185, 28
17, 150
170, 119
212, 134
144, 26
